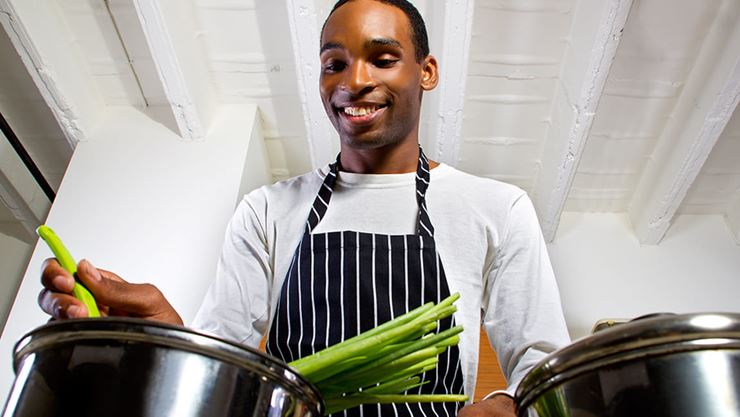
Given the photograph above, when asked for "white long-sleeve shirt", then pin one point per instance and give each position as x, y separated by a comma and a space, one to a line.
486, 233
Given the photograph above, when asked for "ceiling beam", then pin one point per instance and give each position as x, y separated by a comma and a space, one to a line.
457, 30
595, 36
706, 104
168, 62
39, 35
20, 193
732, 217
304, 35
18, 207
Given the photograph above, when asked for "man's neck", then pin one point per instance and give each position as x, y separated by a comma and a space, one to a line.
399, 159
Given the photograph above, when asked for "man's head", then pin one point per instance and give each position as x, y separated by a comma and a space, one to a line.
418, 28
372, 78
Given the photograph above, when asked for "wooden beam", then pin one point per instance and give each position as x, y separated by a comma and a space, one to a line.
19, 209
20, 193
304, 34
705, 106
457, 30
596, 34
39, 35
168, 63
732, 217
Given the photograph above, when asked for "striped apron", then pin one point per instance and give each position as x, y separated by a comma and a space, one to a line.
343, 283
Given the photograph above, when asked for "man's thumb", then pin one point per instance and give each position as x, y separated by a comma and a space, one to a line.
111, 290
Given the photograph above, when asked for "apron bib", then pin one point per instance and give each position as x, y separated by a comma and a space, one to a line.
343, 283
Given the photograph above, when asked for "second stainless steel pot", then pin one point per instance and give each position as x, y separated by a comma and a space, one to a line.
668, 366
136, 368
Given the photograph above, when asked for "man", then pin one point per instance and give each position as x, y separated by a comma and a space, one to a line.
319, 258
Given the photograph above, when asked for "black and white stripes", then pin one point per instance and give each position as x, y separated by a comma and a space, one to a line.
343, 283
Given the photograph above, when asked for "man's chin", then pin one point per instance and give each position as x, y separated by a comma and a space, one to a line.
365, 142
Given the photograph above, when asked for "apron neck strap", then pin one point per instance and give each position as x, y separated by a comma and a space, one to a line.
424, 227
321, 203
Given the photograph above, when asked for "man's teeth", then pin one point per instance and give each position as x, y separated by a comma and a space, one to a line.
360, 111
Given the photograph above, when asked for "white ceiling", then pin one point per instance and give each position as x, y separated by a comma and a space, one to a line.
589, 105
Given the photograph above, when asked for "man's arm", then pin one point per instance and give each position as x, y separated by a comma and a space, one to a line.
522, 312
237, 303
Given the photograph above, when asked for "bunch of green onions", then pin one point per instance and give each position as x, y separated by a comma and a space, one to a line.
379, 365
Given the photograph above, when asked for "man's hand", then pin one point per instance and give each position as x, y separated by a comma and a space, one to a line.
115, 297
498, 406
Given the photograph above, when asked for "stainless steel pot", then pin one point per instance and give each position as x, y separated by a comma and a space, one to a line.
678, 365
129, 367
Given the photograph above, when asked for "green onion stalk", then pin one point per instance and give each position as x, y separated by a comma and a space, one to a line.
380, 365
68, 263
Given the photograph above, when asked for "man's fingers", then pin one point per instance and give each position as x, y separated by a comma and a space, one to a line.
135, 298
123, 298
111, 276
113, 294
61, 306
111, 290
55, 278
87, 271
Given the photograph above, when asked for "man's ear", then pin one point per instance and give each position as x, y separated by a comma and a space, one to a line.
429, 73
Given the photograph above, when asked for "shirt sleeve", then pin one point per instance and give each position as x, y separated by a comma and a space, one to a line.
236, 306
522, 314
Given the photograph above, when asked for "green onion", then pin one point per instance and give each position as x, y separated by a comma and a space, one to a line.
381, 364
68, 263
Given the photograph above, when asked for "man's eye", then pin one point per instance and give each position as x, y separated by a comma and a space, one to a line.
334, 66
385, 63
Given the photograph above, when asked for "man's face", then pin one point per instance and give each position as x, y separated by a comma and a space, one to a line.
371, 83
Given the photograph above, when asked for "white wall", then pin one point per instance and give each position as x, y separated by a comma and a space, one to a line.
603, 272
141, 202
14, 254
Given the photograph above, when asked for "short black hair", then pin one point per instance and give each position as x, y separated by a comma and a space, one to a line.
418, 28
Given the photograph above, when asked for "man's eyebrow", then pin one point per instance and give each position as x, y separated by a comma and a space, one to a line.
330, 45
369, 44
383, 42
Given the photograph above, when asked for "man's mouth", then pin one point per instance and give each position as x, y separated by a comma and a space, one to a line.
360, 111
363, 114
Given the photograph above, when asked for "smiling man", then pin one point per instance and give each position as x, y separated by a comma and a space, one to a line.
319, 258
393, 230
374, 67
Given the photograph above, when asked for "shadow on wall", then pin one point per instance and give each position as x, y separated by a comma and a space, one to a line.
14, 256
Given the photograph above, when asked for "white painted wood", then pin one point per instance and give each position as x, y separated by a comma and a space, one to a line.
602, 270
257, 171
304, 34
501, 140
19, 209
705, 106
22, 198
596, 34
229, 5
457, 29
515, 99
732, 217
192, 118
40, 37
14, 255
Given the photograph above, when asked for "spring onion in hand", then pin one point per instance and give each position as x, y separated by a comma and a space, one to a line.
379, 365
68, 263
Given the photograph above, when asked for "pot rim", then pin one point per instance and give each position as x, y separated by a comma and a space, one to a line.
645, 338
127, 329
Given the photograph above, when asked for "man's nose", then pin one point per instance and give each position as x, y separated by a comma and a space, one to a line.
359, 78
